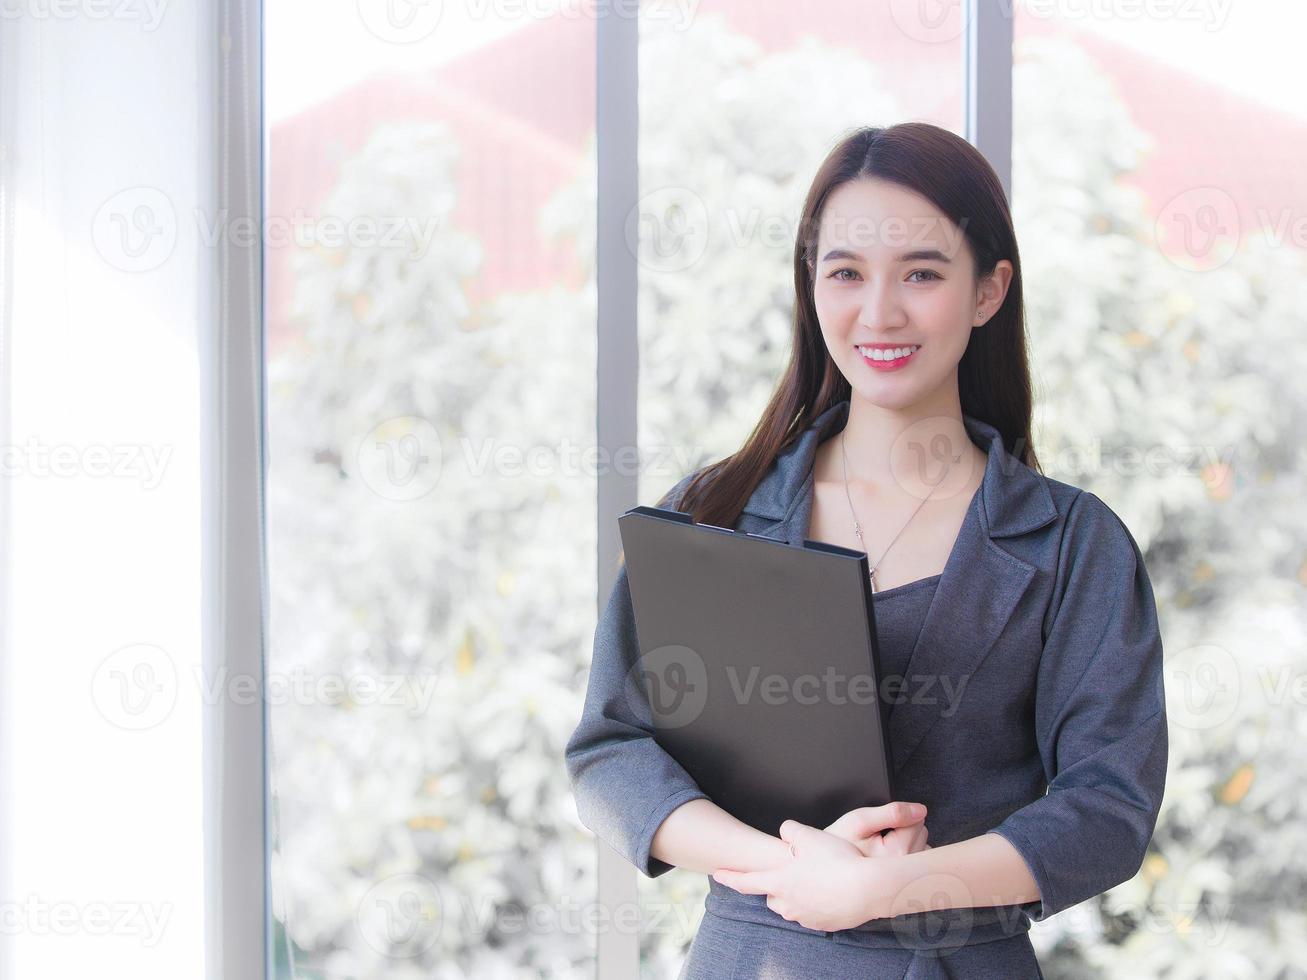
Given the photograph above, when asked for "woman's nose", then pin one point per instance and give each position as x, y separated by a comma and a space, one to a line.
880, 307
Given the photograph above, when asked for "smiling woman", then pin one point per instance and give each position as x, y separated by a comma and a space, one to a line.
905, 241
895, 273
911, 349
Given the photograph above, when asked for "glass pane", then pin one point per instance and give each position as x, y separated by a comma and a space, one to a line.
738, 105
1159, 207
430, 360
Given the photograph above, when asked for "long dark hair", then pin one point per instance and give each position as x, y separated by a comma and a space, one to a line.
993, 375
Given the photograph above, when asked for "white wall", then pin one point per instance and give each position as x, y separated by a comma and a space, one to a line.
102, 779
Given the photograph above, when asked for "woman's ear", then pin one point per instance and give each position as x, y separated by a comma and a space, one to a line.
991, 291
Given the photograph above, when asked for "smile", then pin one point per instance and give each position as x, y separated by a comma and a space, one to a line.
888, 359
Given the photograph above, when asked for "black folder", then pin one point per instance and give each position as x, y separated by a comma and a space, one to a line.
758, 667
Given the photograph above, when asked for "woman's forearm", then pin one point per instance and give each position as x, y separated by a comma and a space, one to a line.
976, 873
701, 836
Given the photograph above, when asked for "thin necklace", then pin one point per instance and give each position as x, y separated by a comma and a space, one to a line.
857, 528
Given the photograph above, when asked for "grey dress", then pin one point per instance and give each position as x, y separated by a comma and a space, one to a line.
1044, 625
726, 948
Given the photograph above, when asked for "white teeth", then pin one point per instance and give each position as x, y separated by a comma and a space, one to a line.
888, 355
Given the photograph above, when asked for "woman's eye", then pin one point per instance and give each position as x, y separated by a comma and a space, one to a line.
838, 275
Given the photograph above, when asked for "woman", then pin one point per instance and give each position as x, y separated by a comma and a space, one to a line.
1014, 611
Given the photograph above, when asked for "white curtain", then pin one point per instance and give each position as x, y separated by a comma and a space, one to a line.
130, 492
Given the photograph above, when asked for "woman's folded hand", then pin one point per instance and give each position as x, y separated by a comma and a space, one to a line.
893, 829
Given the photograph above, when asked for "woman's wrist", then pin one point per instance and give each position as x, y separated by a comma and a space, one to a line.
701, 836
763, 851
884, 879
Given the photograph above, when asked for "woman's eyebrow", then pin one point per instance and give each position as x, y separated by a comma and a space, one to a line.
921, 255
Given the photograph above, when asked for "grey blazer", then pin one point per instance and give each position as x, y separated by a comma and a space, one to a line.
1045, 620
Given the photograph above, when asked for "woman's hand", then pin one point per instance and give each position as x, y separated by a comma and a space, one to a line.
905, 823
828, 884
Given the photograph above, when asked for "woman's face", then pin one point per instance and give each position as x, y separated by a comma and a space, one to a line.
895, 273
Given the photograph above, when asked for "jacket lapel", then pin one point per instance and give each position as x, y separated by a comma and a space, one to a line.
981, 584
784, 494
973, 602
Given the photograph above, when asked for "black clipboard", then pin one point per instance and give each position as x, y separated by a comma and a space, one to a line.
737, 632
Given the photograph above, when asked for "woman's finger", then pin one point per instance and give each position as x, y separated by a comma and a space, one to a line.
919, 835
898, 842
868, 820
873, 846
804, 839
906, 840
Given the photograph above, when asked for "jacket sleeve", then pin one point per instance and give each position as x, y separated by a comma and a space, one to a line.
624, 783
1100, 718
